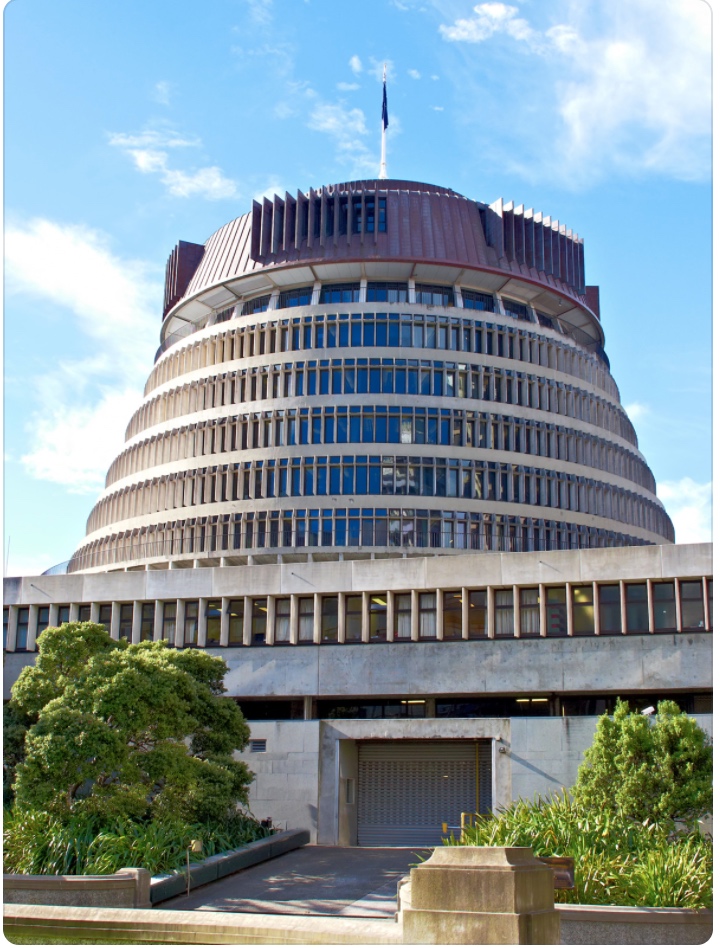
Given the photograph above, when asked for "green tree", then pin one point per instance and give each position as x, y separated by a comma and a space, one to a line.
130, 730
641, 768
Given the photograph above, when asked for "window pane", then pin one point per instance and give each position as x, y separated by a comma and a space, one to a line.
664, 606
610, 619
636, 607
452, 615
692, 609
282, 620
504, 613
213, 618
353, 618
191, 622
477, 613
259, 621
530, 611
306, 619
428, 617
236, 611
378, 617
555, 611
583, 610
403, 617
329, 626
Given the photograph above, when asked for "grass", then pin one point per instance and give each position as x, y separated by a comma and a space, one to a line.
616, 862
36, 843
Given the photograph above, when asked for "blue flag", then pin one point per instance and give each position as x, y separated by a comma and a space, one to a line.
384, 107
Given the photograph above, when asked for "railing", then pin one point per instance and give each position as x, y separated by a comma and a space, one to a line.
213, 542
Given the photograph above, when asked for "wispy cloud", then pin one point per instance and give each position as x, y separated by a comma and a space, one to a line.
348, 86
689, 505
83, 404
161, 92
636, 411
260, 11
150, 152
347, 128
630, 83
356, 65
414, 74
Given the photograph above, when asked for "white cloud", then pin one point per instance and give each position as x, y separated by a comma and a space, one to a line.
260, 11
161, 92
348, 86
435, 78
636, 411
347, 128
270, 191
689, 505
438, 108
83, 404
630, 84
356, 65
414, 74
149, 151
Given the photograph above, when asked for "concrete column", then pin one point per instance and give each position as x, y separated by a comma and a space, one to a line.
137, 620
706, 602
94, 611
270, 626
516, 611
74, 611
411, 291
12, 628
491, 612
430, 707
202, 623
458, 296
53, 615
315, 299
274, 298
224, 621
158, 630
366, 617
480, 895
317, 619
499, 308
32, 627
651, 612
415, 615
115, 621
623, 615
465, 612
569, 607
390, 600
363, 290
179, 623
543, 616
247, 621
678, 606
341, 617
294, 620
596, 607
307, 707
439, 614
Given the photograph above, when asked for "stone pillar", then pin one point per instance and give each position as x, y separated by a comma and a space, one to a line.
480, 895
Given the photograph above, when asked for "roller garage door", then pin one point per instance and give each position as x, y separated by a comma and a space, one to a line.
408, 789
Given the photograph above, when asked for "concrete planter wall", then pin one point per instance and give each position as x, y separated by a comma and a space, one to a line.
627, 925
128, 888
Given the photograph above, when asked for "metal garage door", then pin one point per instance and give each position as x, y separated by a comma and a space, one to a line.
407, 789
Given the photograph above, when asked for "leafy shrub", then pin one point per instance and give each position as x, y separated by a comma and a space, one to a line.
39, 843
616, 862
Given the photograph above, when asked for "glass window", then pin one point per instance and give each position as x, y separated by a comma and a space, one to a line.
213, 616
504, 613
610, 619
432, 295
555, 611
428, 615
473, 300
329, 619
236, 612
387, 293
84, 614
168, 626
530, 611
282, 620
190, 632
258, 620
258, 305
691, 606
519, 310
126, 621
664, 606
477, 613
452, 615
297, 297
636, 607
147, 622
403, 617
105, 615
353, 618
378, 617
583, 610
43, 619
63, 614
340, 293
21, 636
306, 618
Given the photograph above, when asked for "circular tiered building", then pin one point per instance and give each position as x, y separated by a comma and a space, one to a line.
377, 367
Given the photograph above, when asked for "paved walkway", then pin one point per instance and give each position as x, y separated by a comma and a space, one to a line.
314, 880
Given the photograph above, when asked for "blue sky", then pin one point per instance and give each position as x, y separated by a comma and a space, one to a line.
132, 124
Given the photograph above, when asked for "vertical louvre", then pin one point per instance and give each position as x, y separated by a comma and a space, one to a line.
407, 789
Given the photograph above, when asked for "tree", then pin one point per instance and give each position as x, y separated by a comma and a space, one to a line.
133, 730
640, 768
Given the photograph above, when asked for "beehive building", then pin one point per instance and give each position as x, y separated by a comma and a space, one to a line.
382, 466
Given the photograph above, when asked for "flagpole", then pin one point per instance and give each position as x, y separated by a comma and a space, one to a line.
383, 127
